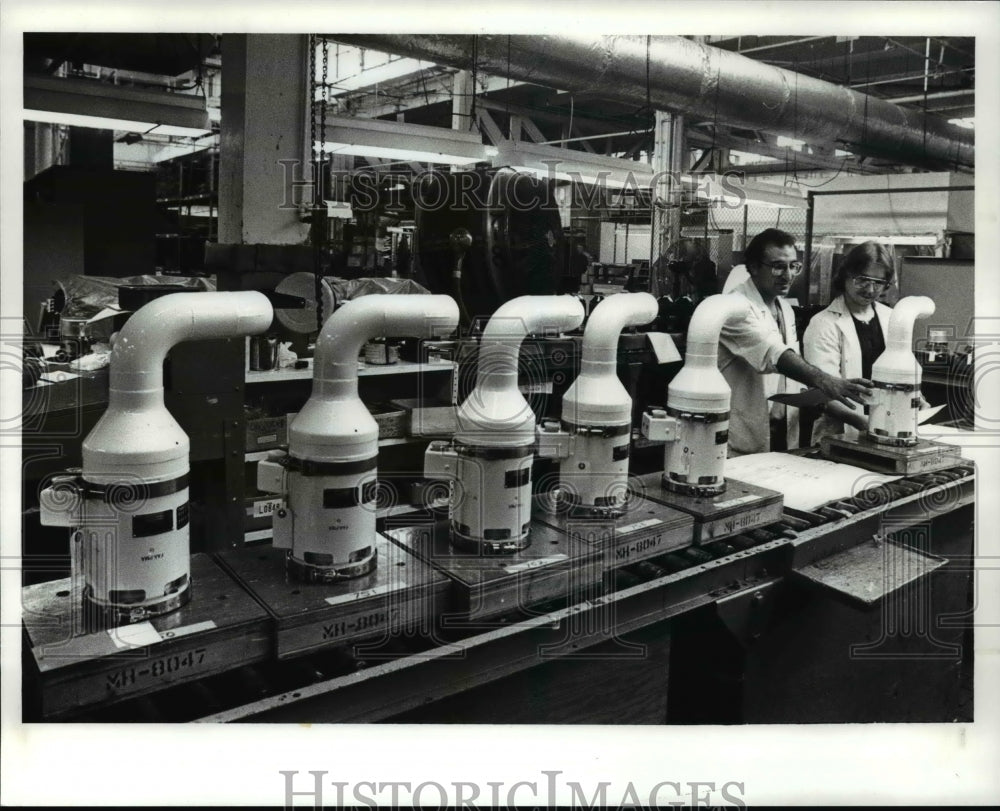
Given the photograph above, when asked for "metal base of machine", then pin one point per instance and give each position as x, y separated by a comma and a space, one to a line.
104, 615
401, 593
81, 665
646, 530
743, 506
474, 546
924, 457
553, 567
311, 573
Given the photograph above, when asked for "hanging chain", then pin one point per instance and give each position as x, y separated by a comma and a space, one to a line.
318, 214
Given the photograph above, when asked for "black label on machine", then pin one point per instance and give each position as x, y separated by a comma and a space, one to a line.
152, 523
517, 478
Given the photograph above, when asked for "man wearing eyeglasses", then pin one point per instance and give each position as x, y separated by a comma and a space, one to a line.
758, 354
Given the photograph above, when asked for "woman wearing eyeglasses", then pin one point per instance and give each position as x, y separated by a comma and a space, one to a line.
847, 337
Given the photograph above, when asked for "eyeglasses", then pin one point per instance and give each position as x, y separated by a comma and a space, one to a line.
869, 281
777, 268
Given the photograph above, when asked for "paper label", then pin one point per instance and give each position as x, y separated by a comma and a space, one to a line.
184, 630
733, 502
649, 522
134, 636
266, 507
533, 564
361, 595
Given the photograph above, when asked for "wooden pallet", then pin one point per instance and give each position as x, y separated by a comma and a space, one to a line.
741, 507
80, 666
554, 566
647, 529
403, 593
924, 457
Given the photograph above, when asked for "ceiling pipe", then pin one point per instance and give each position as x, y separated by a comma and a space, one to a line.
693, 79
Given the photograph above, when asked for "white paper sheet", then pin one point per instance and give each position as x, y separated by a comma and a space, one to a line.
805, 483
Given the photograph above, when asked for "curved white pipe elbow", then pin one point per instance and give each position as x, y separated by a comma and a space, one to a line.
699, 386
137, 435
597, 396
706, 325
142, 344
353, 324
334, 425
496, 411
904, 314
511, 324
897, 364
606, 322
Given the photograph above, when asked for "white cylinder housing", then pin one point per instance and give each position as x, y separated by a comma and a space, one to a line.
597, 409
698, 398
896, 373
496, 433
132, 517
333, 440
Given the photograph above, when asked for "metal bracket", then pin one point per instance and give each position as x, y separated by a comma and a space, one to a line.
747, 612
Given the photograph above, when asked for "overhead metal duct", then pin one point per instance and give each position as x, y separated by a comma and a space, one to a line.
684, 76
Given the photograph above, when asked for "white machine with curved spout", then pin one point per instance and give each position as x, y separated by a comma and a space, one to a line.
491, 457
129, 505
597, 412
696, 422
897, 376
329, 475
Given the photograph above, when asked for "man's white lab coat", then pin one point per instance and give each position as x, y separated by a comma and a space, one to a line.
748, 352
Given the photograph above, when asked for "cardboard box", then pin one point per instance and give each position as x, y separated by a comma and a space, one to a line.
265, 433
429, 421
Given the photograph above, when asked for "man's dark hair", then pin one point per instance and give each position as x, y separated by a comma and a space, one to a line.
754, 253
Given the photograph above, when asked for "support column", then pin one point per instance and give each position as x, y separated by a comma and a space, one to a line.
668, 163
461, 101
264, 121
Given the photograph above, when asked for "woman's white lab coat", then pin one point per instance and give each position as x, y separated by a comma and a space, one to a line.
831, 343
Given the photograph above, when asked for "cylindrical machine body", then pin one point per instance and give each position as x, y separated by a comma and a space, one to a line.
695, 461
698, 398
133, 551
597, 410
131, 519
892, 418
596, 475
491, 505
491, 502
334, 510
333, 441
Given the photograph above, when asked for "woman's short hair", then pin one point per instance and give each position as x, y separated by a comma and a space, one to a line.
860, 260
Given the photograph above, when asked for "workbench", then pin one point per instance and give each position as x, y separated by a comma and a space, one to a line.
756, 627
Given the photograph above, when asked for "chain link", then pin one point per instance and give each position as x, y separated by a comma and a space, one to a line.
317, 189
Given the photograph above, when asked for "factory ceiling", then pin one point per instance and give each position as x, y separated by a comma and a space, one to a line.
933, 75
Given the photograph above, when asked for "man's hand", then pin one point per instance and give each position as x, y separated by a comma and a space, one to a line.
857, 390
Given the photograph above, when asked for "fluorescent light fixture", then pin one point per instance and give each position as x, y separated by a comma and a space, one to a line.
967, 123
396, 154
120, 124
735, 192
385, 72
794, 143
920, 239
89, 103
573, 165
368, 137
